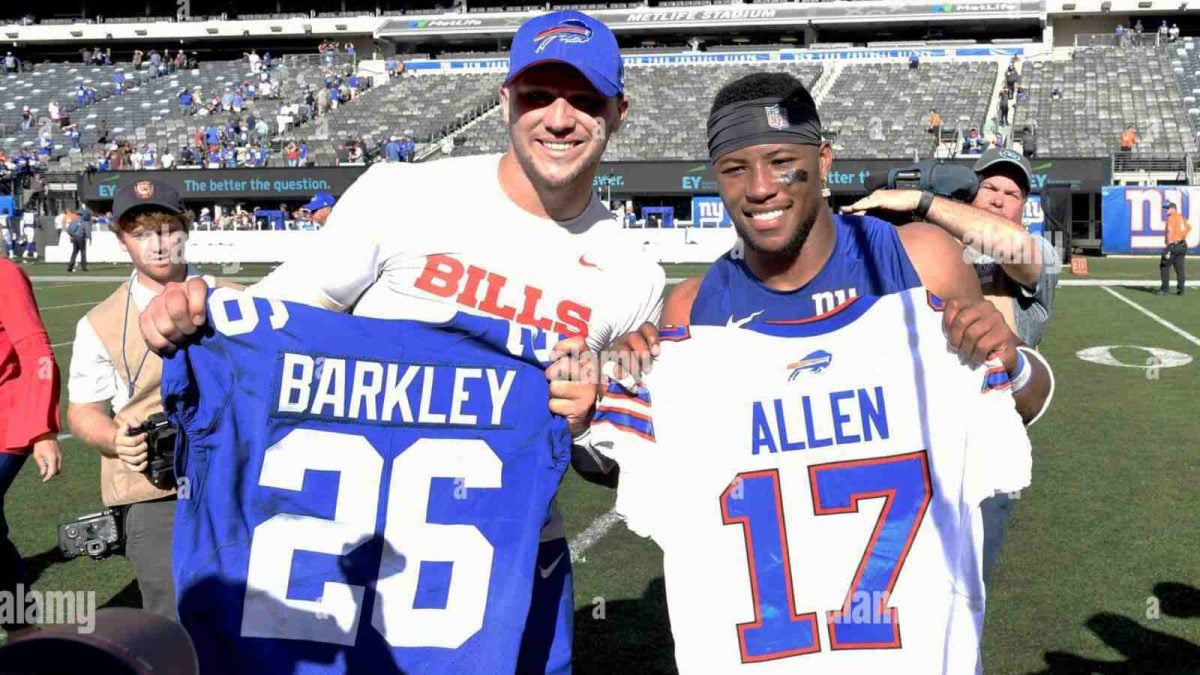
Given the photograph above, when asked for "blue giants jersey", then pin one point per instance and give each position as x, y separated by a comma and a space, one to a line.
359, 495
867, 260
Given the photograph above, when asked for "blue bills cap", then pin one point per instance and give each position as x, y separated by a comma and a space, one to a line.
573, 38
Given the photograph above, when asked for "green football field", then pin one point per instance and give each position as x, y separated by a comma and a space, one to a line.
1100, 573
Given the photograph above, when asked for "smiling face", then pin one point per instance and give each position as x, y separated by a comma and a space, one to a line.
1001, 195
558, 123
773, 194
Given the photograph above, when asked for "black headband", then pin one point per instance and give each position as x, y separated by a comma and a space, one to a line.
763, 120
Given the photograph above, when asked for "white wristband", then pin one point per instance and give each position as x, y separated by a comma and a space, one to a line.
1023, 375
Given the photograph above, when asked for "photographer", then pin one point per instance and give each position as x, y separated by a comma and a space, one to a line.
115, 381
1018, 271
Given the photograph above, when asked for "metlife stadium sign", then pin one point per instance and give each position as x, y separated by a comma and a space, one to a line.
818, 13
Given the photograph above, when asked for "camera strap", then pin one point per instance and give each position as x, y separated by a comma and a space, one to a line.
130, 379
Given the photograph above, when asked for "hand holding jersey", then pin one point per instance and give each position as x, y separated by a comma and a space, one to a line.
832, 490
528, 243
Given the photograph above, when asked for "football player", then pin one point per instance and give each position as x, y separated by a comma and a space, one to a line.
521, 236
796, 259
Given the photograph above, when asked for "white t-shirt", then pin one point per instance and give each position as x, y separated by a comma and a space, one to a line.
814, 459
93, 375
423, 241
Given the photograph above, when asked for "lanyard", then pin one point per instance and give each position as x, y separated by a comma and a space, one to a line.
130, 379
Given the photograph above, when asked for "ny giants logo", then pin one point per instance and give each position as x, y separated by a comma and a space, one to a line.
480, 289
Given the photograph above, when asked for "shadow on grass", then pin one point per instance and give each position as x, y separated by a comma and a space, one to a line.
631, 636
1145, 650
130, 596
35, 565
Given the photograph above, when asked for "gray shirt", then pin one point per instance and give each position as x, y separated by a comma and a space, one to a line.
1032, 307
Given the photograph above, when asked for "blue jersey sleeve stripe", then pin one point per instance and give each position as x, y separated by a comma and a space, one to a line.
615, 390
996, 380
674, 333
625, 420
648, 435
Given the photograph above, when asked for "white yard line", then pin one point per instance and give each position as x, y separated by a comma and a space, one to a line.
54, 285
65, 435
61, 344
1167, 324
594, 533
93, 303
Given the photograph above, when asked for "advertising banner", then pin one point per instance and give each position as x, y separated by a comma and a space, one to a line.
231, 184
1134, 220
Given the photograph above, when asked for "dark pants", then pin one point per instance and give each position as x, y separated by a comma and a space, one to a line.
1173, 257
12, 568
148, 527
78, 247
996, 510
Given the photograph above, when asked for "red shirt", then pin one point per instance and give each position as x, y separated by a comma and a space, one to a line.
29, 378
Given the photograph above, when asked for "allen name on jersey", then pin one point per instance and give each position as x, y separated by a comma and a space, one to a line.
837, 418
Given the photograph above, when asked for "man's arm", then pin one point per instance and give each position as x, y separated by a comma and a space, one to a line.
939, 262
91, 423
1008, 243
677, 309
976, 329
1005, 241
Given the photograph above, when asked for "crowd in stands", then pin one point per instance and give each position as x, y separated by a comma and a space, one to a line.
243, 137
1136, 34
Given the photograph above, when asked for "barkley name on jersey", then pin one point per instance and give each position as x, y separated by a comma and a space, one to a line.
359, 495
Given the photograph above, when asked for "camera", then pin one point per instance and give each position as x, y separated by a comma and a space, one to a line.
944, 179
160, 453
97, 535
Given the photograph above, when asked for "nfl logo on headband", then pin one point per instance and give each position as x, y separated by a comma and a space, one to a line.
777, 117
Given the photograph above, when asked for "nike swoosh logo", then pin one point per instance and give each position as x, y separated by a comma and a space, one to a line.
584, 261
547, 571
738, 323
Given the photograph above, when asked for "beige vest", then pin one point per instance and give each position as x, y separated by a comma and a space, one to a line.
118, 484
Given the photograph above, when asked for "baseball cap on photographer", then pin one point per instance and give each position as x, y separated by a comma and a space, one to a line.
145, 193
573, 38
997, 159
320, 201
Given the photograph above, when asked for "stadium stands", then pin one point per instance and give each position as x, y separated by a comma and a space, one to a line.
53, 82
882, 109
1104, 90
1185, 62
424, 106
669, 106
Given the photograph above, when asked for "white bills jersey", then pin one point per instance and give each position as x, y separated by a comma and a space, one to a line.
425, 241
827, 519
